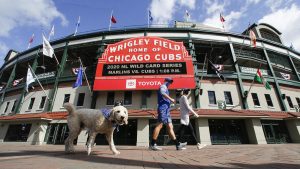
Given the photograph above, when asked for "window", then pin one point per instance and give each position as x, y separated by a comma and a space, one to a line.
67, 98
31, 103
212, 97
288, 98
298, 101
178, 95
7, 104
42, 104
80, 100
14, 106
127, 98
228, 98
269, 100
255, 99
110, 98
145, 95
267, 34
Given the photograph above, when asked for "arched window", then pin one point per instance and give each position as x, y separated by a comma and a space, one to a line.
267, 34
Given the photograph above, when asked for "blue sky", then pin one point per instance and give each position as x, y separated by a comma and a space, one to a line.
19, 19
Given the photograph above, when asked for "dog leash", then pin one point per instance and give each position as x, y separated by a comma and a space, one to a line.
106, 113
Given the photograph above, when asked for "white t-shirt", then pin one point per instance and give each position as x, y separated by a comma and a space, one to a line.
185, 108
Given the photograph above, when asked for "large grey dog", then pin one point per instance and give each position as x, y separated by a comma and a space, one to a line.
95, 122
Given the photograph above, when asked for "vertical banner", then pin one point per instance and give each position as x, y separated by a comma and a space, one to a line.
142, 64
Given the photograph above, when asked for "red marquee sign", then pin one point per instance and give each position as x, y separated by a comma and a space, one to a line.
142, 64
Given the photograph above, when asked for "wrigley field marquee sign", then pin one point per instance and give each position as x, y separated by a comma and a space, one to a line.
142, 64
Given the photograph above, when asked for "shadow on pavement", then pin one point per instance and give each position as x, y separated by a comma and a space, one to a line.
102, 158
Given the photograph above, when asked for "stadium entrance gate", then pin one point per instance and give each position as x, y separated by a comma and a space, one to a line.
228, 131
275, 131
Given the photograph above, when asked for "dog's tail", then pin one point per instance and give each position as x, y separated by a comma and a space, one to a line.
70, 108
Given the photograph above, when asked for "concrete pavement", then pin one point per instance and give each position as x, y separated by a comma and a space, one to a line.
17, 156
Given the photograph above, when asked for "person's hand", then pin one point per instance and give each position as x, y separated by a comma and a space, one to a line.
196, 115
172, 100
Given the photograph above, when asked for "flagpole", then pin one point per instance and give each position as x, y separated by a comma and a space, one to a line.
202, 72
55, 57
28, 45
110, 19
148, 18
39, 82
85, 75
252, 83
49, 35
52, 29
77, 25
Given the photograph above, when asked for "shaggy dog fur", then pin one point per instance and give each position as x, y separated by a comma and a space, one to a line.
95, 122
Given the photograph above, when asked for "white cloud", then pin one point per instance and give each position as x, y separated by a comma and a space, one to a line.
214, 6
188, 3
286, 20
232, 19
3, 48
253, 1
163, 10
213, 10
17, 13
277, 4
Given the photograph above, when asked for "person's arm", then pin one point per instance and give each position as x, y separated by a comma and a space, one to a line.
186, 103
163, 90
168, 97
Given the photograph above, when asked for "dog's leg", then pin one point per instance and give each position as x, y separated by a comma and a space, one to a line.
69, 142
90, 143
110, 140
67, 145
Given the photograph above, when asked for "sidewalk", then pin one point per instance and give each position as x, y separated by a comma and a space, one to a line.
15, 156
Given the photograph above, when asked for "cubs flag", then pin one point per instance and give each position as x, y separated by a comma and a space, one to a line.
47, 48
187, 16
150, 16
17, 81
222, 19
76, 70
79, 78
212, 69
259, 78
286, 76
113, 19
29, 79
252, 38
30, 41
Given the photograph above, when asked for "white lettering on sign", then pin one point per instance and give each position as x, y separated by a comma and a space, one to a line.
149, 83
128, 58
169, 56
131, 43
166, 44
253, 70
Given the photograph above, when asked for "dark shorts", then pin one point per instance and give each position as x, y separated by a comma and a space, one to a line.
164, 114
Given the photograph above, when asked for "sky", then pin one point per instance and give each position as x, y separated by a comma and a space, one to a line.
19, 19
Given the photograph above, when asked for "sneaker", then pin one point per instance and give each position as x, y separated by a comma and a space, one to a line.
155, 147
199, 146
180, 147
183, 144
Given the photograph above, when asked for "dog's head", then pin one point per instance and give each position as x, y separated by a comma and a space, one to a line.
119, 114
